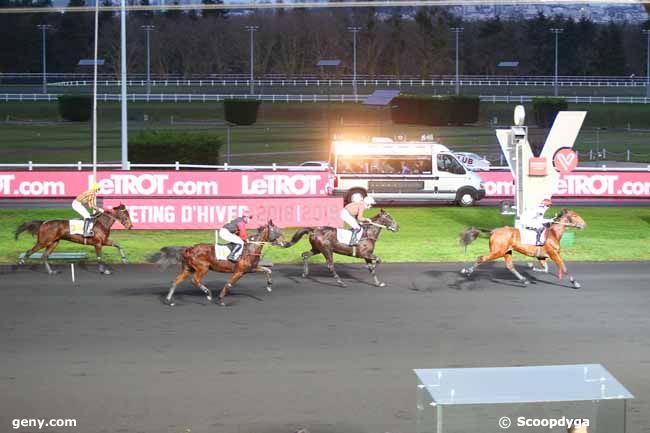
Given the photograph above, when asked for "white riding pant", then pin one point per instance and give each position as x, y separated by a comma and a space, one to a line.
80, 209
225, 234
351, 221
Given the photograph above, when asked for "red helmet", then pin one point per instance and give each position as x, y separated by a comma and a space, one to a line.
547, 202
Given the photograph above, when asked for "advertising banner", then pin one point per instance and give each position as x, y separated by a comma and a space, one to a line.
188, 214
50, 184
578, 184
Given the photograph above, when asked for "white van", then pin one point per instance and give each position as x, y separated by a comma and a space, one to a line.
402, 171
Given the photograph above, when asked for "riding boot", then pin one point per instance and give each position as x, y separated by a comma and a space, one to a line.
538, 241
354, 239
87, 232
234, 253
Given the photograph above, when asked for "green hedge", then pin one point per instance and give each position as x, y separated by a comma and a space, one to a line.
165, 147
241, 111
435, 111
75, 108
545, 110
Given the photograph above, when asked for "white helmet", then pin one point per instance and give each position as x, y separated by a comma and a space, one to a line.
369, 201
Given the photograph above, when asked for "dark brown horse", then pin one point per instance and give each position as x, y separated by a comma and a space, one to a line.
49, 233
506, 239
198, 259
323, 240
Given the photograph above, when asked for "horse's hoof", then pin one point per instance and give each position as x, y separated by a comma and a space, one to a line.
209, 298
341, 283
106, 272
531, 265
304, 275
525, 282
54, 272
21, 262
168, 302
576, 285
123, 261
221, 303
269, 289
382, 284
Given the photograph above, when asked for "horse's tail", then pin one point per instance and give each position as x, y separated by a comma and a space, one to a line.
30, 226
168, 256
470, 234
297, 236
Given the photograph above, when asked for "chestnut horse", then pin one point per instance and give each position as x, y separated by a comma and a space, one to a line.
323, 240
49, 233
200, 258
506, 239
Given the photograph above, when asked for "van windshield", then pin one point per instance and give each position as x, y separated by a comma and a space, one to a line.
449, 164
392, 164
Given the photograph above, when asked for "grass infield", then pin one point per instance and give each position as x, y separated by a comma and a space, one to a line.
426, 235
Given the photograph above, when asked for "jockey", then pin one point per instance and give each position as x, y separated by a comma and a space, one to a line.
84, 201
235, 232
353, 215
535, 220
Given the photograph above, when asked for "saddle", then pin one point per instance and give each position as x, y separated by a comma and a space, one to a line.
344, 236
222, 251
76, 226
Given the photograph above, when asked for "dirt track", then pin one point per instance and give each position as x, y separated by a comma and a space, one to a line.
106, 352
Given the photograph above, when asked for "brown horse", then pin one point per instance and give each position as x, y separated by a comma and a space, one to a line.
50, 232
323, 241
506, 239
200, 258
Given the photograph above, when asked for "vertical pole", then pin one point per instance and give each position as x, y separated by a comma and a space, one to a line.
125, 126
555, 83
94, 127
252, 60
457, 31
252, 29
647, 81
148, 62
44, 29
228, 144
354, 31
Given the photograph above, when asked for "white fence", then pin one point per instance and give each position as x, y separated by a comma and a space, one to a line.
30, 166
315, 82
193, 97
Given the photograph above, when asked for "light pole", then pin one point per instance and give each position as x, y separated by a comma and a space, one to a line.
556, 32
124, 136
647, 71
252, 29
328, 64
148, 29
457, 31
44, 28
354, 31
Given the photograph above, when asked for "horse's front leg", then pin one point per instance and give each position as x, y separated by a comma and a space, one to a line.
372, 263
231, 282
562, 269
268, 273
110, 243
100, 264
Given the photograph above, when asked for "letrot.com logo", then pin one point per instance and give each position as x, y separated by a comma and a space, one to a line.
577, 424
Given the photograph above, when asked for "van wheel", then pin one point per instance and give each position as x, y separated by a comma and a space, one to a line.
354, 195
466, 198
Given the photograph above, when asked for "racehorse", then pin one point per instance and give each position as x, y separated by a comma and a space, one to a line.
200, 258
50, 232
324, 241
506, 239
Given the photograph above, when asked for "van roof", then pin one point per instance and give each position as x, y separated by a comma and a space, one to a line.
386, 146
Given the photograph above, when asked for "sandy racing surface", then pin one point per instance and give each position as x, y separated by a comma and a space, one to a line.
106, 351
